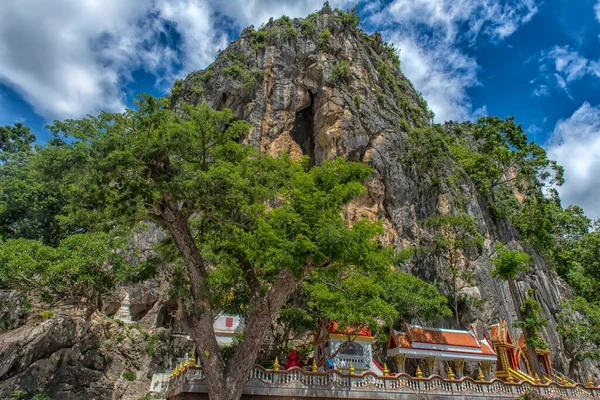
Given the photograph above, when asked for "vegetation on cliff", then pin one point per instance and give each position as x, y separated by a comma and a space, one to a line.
268, 237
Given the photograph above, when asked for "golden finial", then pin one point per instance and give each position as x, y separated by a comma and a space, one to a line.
510, 378
276, 364
180, 367
451, 373
193, 359
314, 366
537, 379
187, 362
419, 372
174, 372
481, 375
351, 368
386, 371
590, 382
564, 381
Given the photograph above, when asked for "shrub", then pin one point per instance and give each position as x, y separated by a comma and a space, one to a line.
340, 72
357, 100
129, 375
285, 20
47, 314
323, 41
350, 19
290, 33
308, 27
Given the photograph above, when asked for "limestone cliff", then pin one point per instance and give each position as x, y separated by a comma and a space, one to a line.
321, 88
316, 87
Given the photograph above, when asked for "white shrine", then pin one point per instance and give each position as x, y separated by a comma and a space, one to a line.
359, 352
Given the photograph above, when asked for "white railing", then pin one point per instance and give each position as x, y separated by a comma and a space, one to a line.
401, 383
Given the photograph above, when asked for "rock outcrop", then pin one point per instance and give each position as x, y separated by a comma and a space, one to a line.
321, 88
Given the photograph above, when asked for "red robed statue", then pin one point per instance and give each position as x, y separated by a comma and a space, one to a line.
293, 360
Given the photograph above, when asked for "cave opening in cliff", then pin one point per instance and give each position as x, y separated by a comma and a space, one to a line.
303, 131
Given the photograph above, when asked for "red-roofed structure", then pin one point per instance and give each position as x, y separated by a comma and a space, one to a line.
433, 344
356, 348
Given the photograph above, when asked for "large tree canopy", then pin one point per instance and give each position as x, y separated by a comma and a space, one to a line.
245, 230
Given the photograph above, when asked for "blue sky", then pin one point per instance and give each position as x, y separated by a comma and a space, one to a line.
538, 60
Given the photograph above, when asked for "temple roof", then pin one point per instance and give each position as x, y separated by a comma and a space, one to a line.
333, 327
418, 341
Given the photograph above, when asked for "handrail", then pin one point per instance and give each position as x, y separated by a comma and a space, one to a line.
520, 375
400, 383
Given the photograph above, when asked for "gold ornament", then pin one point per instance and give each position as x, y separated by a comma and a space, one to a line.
419, 372
193, 359
481, 376
451, 373
590, 382
276, 364
314, 366
351, 368
537, 379
386, 371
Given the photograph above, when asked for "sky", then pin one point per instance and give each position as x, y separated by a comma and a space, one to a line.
538, 60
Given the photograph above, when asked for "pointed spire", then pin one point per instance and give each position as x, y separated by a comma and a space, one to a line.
193, 359
590, 382
314, 366
186, 364
386, 371
276, 364
481, 375
537, 379
419, 372
564, 381
351, 368
451, 373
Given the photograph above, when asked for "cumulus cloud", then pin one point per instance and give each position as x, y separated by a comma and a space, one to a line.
597, 10
575, 144
73, 57
429, 34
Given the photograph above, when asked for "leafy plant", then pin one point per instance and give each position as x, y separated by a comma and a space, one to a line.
47, 314
323, 40
340, 72
129, 375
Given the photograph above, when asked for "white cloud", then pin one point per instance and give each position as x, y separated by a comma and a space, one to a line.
563, 66
597, 10
73, 57
575, 144
541, 91
432, 58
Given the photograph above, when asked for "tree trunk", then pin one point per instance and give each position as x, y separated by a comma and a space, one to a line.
228, 383
533, 359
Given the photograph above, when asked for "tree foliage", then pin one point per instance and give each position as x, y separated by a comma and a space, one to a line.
244, 229
81, 266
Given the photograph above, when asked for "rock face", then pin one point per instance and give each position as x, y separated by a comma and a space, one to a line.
321, 88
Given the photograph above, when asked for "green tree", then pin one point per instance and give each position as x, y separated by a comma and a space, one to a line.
579, 325
81, 266
15, 139
508, 264
242, 225
457, 240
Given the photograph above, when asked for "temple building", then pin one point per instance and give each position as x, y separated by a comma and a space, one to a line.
514, 363
434, 344
226, 327
356, 356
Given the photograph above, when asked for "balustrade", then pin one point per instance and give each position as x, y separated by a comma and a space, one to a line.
401, 383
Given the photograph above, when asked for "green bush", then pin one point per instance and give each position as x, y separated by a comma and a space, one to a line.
308, 27
290, 33
47, 314
323, 41
129, 375
340, 72
357, 100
